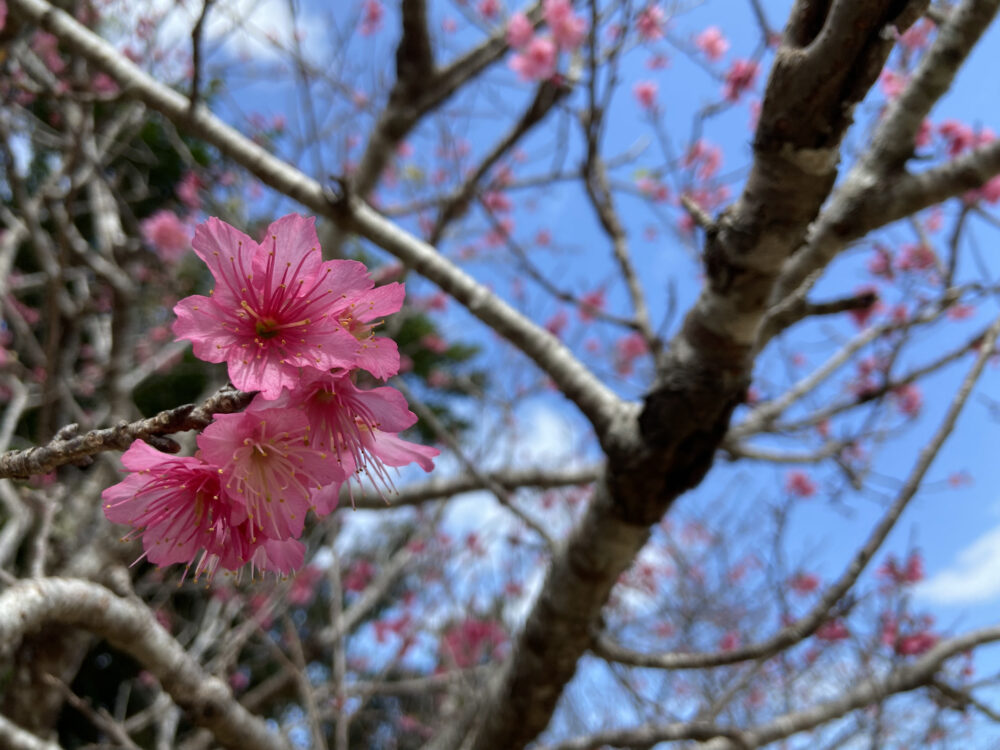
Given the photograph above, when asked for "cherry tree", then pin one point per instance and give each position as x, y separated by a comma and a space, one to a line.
464, 374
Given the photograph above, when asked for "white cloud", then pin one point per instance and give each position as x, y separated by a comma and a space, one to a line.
547, 439
259, 28
247, 29
974, 577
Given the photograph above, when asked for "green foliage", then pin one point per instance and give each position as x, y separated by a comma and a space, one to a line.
182, 384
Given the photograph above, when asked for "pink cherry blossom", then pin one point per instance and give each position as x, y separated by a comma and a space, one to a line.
272, 311
957, 135
627, 350
739, 78
990, 192
909, 572
567, 27
496, 201
890, 630
557, 323
177, 505
832, 630
960, 312
358, 429
189, 191
591, 303
729, 641
46, 46
917, 36
924, 134
279, 555
712, 43
168, 235
650, 23
799, 484
473, 641
371, 17
102, 83
908, 399
361, 312
489, 8
880, 262
520, 32
914, 570
303, 588
804, 583
862, 315
706, 157
916, 643
359, 575
537, 61
653, 189
918, 257
268, 461
434, 343
892, 83
659, 61
645, 93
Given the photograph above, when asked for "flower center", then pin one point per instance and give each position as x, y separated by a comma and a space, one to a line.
267, 328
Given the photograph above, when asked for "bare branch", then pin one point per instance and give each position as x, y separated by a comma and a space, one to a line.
903, 679
546, 97
196, 52
644, 736
877, 191
131, 627
500, 492
420, 88
68, 449
15, 738
440, 488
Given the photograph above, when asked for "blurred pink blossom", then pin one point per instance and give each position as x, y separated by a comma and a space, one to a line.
537, 61
645, 92
712, 43
371, 17
489, 8
650, 23
567, 27
832, 630
520, 32
167, 234
799, 484
739, 78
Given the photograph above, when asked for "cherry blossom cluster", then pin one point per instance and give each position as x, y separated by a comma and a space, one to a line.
296, 329
537, 56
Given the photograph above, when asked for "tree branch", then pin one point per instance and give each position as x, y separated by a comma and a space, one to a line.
13, 737
453, 206
420, 88
901, 680
441, 488
129, 626
877, 191
68, 448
